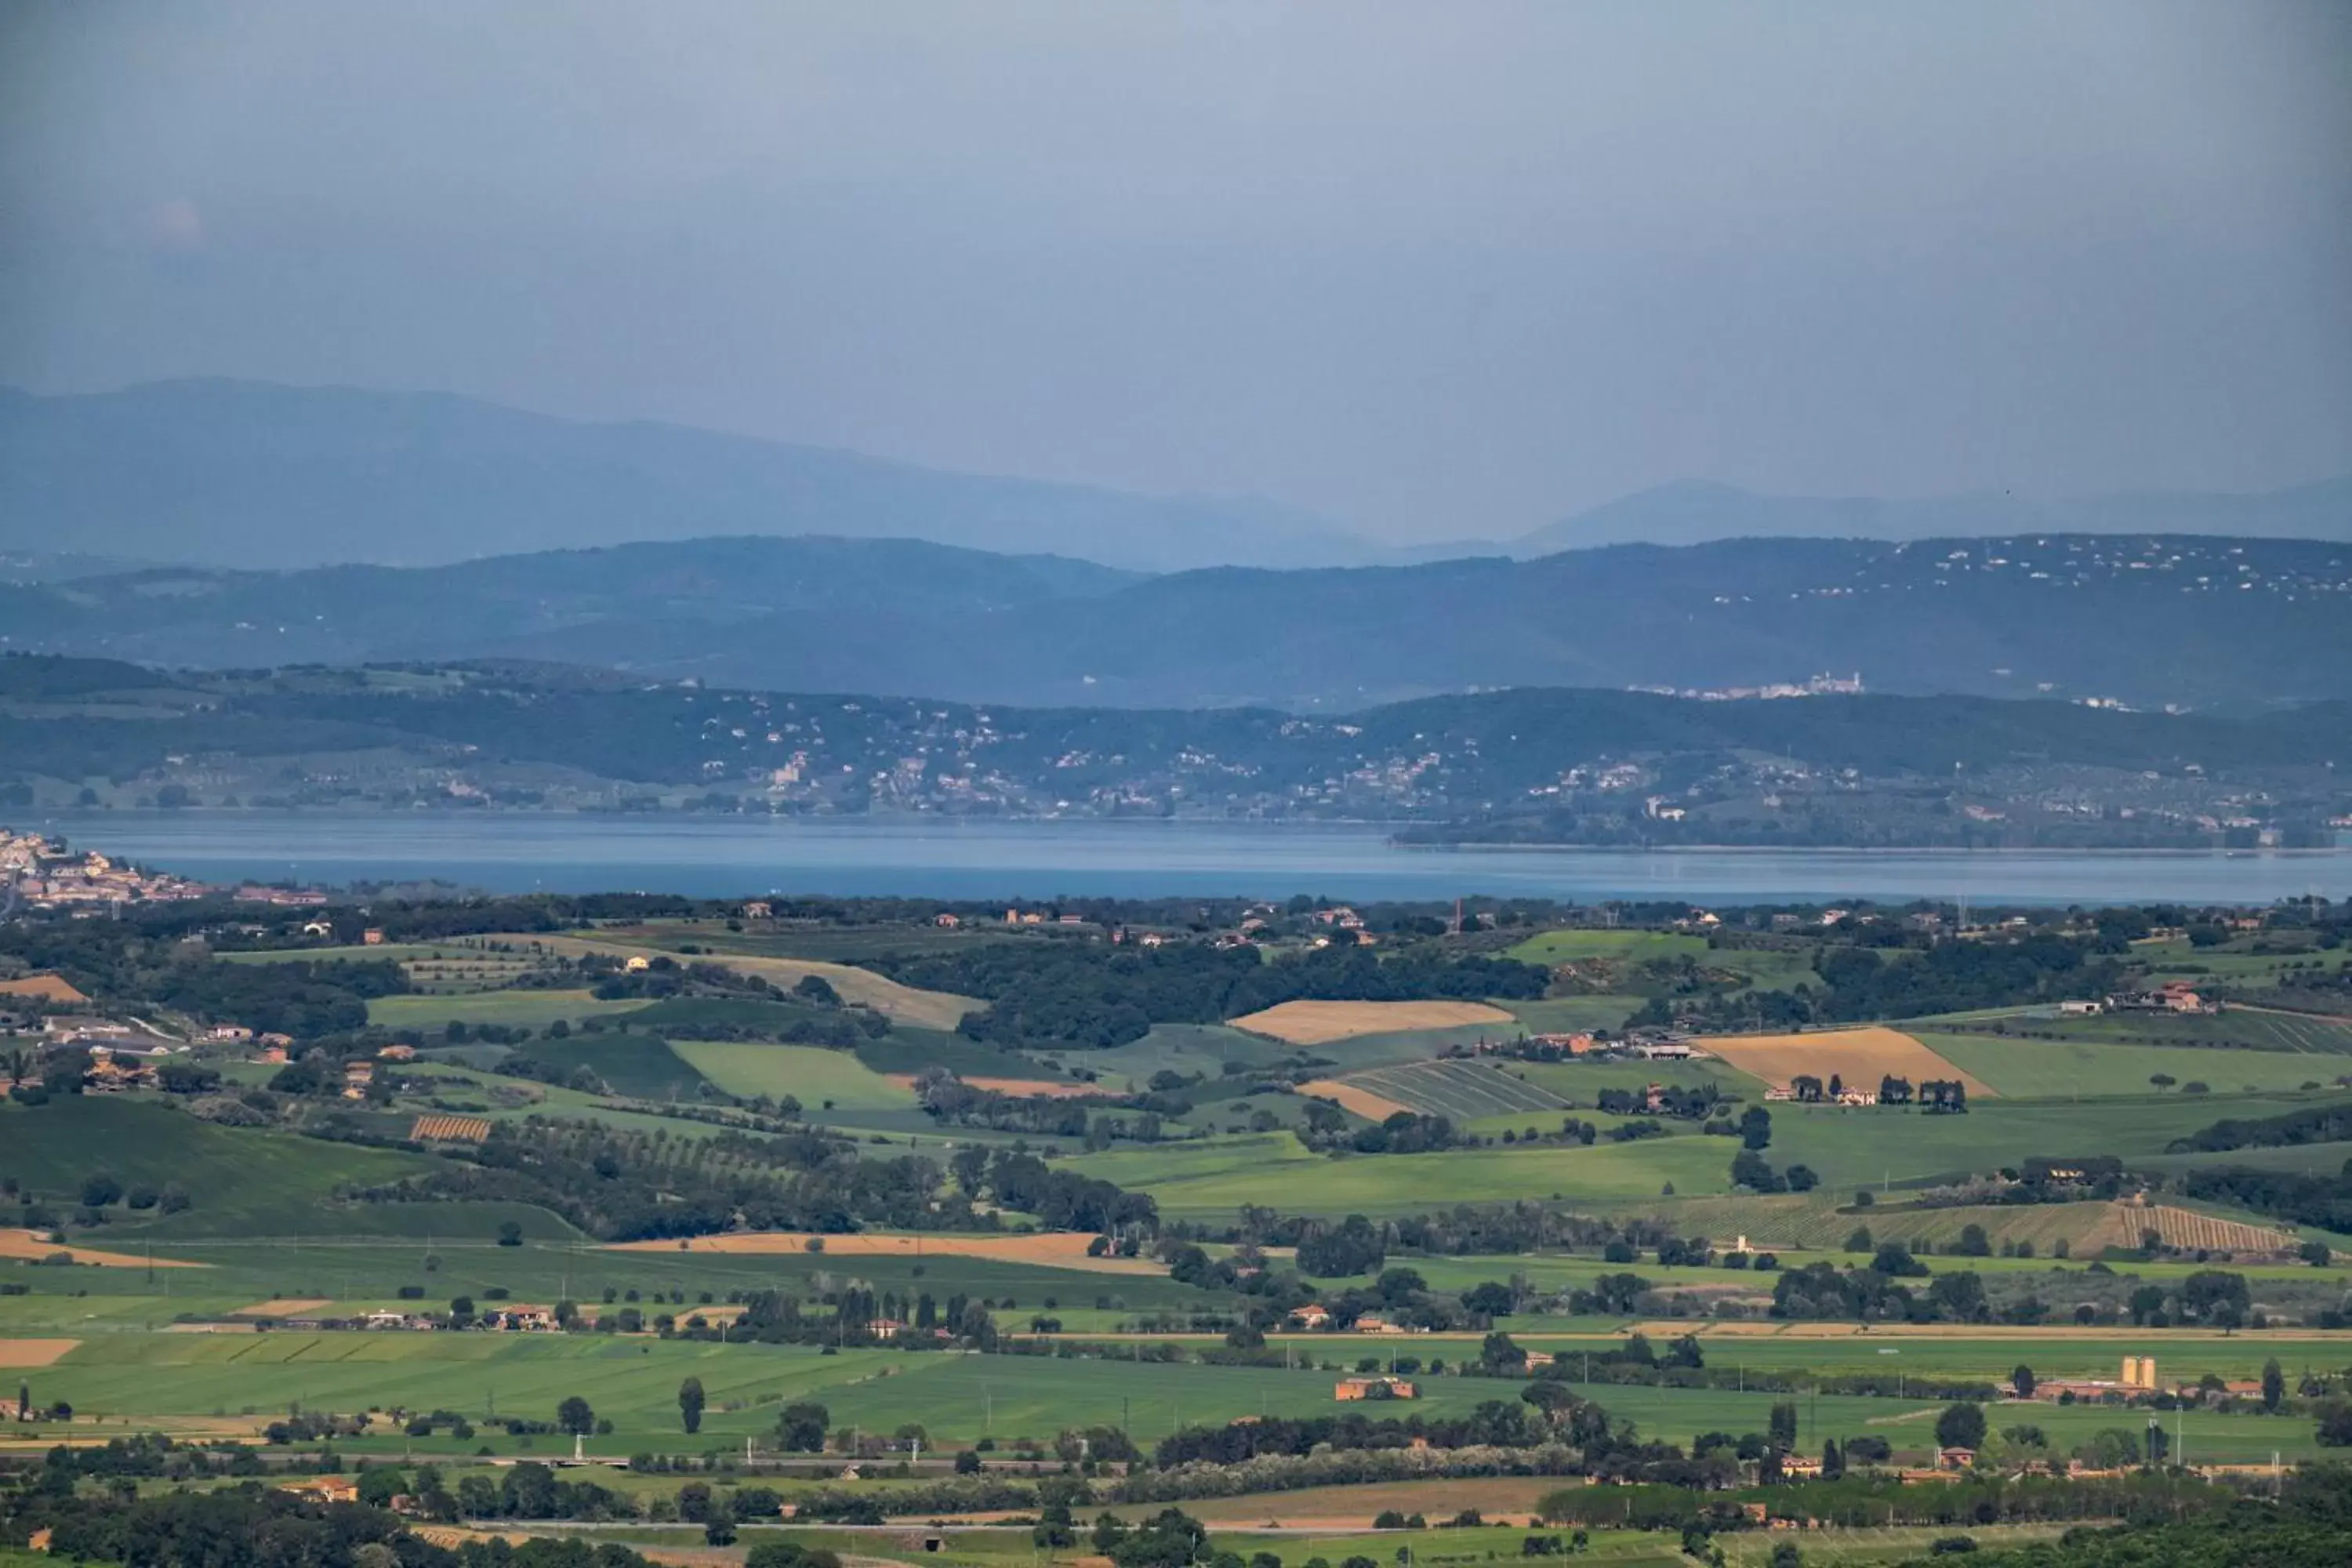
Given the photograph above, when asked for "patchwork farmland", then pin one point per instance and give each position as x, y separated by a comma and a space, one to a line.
1861, 1056
1459, 1089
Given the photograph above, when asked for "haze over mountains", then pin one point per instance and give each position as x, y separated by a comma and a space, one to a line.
254, 475
2191, 621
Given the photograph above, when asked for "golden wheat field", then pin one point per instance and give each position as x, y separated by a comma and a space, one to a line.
1862, 1057
1352, 1096
1320, 1023
29, 1244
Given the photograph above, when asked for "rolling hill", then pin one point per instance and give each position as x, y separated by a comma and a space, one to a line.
2147, 621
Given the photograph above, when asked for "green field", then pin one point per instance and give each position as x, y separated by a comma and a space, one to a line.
1571, 1014
1185, 1048
1867, 1147
1463, 1090
904, 1050
520, 1009
1581, 1080
245, 1182
1216, 1176
958, 1398
641, 1067
2074, 1069
2245, 1029
1553, 947
817, 1077
395, 952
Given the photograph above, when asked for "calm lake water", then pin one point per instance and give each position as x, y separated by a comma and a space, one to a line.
727, 856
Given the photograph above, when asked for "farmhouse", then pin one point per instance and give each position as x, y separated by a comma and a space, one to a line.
758, 910
1311, 1316
1351, 1388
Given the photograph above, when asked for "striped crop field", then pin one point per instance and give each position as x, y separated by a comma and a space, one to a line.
1455, 1088
435, 1128
2187, 1228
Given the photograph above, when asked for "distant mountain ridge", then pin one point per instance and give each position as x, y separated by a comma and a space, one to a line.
1694, 512
251, 474
2145, 621
254, 475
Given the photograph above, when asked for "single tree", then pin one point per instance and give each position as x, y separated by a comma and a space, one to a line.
2274, 1385
801, 1427
2022, 1380
1960, 1426
689, 1404
574, 1417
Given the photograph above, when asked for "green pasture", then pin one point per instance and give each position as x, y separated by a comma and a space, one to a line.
829, 945
816, 1076
395, 952
2235, 961
1405, 1044
632, 1380
1580, 1081
642, 1066
514, 1009
1570, 1014
1463, 1090
1554, 947
1216, 1176
2082, 1069
2244, 1028
1851, 1148
464, 1259
910, 1050
1185, 1048
245, 1182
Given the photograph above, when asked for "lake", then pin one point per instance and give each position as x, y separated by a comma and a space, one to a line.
725, 857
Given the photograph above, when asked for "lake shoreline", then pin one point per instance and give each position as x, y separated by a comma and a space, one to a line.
918, 856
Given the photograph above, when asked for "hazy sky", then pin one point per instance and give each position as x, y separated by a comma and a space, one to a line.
1442, 269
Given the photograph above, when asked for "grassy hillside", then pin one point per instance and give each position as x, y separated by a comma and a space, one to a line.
241, 1181
816, 1077
2066, 1069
